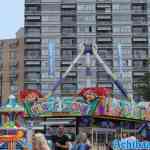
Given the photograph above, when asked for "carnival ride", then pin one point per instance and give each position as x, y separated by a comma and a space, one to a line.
13, 129
88, 50
92, 107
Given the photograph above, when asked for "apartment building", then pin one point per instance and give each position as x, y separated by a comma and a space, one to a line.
11, 65
67, 23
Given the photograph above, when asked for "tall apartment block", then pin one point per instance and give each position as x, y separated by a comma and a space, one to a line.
11, 65
108, 23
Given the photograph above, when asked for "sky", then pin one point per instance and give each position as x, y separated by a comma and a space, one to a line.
11, 17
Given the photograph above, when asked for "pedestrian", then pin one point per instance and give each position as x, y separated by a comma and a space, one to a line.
60, 140
39, 142
82, 142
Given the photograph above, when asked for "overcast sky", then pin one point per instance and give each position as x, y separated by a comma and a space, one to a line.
11, 17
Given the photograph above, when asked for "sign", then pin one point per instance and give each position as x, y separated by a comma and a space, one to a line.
51, 57
62, 105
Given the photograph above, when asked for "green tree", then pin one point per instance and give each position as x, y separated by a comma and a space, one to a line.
143, 88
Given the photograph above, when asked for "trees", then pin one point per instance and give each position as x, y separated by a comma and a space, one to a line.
143, 88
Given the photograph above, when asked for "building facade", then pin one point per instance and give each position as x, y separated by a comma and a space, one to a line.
11, 65
67, 23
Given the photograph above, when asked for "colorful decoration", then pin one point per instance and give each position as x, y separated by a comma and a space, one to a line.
29, 94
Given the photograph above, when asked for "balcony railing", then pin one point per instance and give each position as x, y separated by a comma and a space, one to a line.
69, 13
68, 23
104, 1
68, 34
101, 34
32, 12
140, 68
31, 57
139, 22
33, 46
101, 23
69, 46
32, 69
32, 1
31, 34
139, 56
32, 23
138, 1
142, 34
104, 45
139, 11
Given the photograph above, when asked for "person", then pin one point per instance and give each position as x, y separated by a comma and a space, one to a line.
39, 142
60, 140
82, 142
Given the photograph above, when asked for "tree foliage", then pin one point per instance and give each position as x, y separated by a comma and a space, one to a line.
143, 87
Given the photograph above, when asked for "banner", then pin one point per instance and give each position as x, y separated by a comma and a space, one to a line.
51, 57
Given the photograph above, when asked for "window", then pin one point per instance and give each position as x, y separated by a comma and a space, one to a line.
84, 18
33, 8
121, 40
68, 30
50, 7
121, 18
68, 19
86, 7
121, 29
69, 87
50, 18
121, 7
86, 28
69, 41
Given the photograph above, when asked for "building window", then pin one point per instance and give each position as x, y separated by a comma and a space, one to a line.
86, 28
121, 29
86, 7
83, 18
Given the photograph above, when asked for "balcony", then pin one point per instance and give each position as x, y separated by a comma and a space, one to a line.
144, 39
69, 45
100, 28
68, 13
68, 57
104, 45
32, 1
102, 34
33, 13
32, 40
139, 1
33, 46
104, 39
29, 62
104, 1
103, 17
33, 57
139, 45
139, 34
33, 80
140, 68
139, 22
65, 68
140, 11
139, 57
31, 23
68, 92
32, 34
68, 34
70, 80
68, 23
103, 23
32, 69
32, 18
